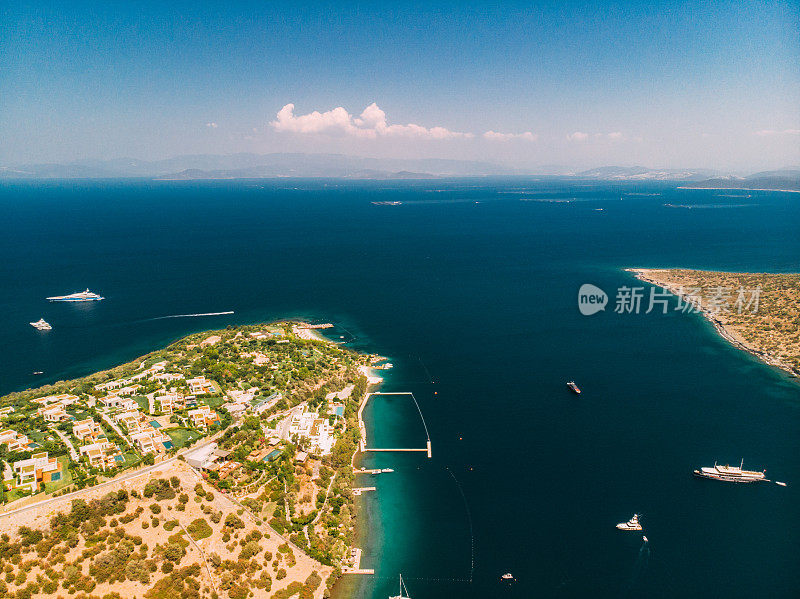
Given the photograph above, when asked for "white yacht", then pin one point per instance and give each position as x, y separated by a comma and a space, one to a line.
632, 524
507, 576
733, 474
80, 296
403, 590
41, 325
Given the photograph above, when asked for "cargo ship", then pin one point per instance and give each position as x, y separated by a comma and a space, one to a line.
81, 296
733, 474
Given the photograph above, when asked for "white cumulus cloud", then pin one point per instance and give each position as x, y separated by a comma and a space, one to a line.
578, 136
370, 124
615, 135
495, 136
773, 132
211, 125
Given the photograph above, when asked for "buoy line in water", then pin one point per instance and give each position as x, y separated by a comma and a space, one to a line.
471, 531
423, 579
427, 372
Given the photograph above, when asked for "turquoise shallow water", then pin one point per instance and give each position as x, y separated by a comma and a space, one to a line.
475, 304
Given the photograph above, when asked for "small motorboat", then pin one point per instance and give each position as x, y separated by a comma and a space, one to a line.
777, 482
508, 577
644, 538
632, 524
574, 388
37, 372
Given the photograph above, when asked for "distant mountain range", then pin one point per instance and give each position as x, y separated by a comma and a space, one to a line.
642, 173
785, 179
243, 166
259, 166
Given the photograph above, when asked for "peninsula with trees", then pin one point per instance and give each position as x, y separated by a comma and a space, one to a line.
220, 466
757, 312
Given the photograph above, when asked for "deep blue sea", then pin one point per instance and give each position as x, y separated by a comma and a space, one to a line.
470, 288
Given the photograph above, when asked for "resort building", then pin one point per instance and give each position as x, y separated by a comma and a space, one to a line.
111, 401
129, 390
102, 454
170, 402
6, 411
168, 377
38, 469
110, 385
134, 421
115, 402
149, 373
15, 441
203, 417
199, 385
206, 458
65, 399
317, 431
87, 431
53, 413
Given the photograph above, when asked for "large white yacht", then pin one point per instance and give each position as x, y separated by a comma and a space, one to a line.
80, 296
734, 474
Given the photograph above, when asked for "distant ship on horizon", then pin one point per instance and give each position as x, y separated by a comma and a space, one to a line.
80, 296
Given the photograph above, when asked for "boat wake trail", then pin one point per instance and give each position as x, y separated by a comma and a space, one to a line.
639, 568
189, 315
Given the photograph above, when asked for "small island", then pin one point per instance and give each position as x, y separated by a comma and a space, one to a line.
221, 466
757, 312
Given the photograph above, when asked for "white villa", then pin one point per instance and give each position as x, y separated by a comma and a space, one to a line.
15, 441
87, 431
102, 454
171, 401
203, 417
199, 385
53, 413
39, 468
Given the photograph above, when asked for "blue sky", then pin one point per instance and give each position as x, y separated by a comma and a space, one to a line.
664, 84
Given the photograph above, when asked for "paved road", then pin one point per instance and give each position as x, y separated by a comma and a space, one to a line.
114, 481
116, 428
72, 453
282, 429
